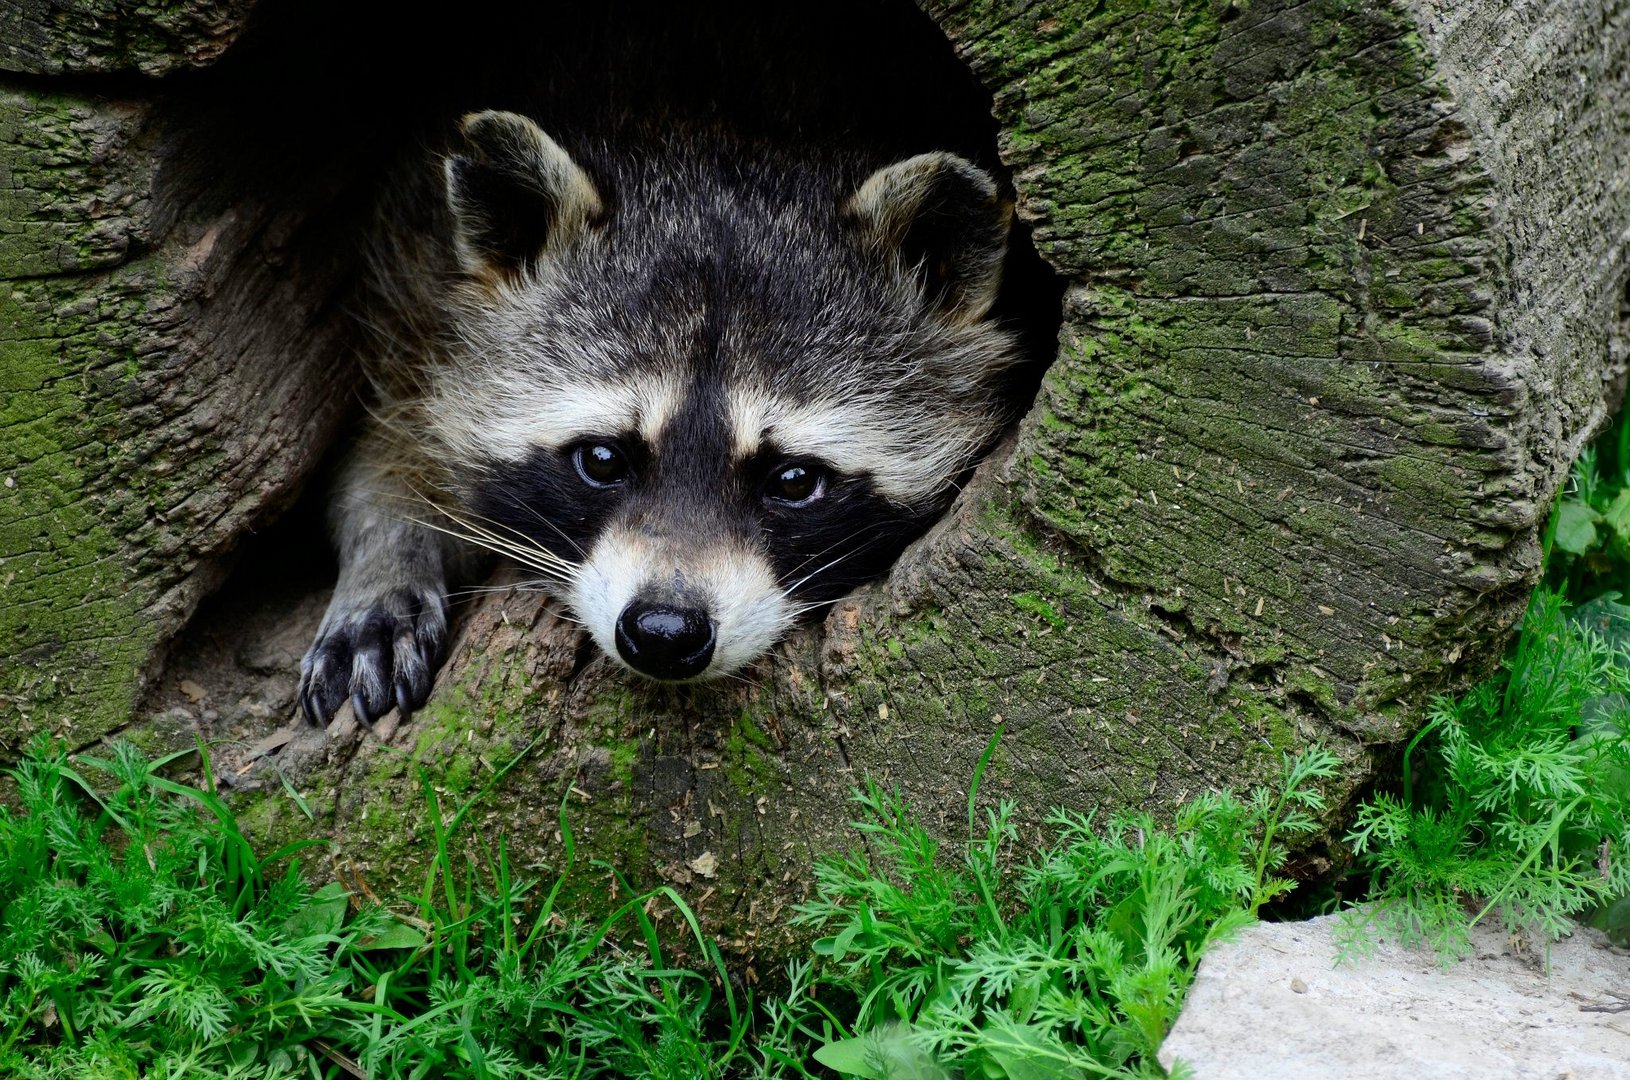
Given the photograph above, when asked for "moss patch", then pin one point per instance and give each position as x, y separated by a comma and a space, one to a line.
75, 642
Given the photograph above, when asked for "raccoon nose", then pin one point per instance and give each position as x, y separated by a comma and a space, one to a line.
665, 642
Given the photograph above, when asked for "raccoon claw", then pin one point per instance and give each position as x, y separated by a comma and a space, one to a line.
376, 656
404, 704
309, 707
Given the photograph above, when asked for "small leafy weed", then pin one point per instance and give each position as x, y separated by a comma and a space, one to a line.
1073, 963
1590, 545
1515, 799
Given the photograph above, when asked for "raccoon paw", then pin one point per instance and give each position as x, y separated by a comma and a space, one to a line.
376, 654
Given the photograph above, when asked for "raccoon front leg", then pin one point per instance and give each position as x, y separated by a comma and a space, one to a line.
382, 637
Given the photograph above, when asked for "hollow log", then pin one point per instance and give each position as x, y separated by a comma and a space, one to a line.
1345, 295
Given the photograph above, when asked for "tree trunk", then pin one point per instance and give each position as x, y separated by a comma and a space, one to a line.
1346, 294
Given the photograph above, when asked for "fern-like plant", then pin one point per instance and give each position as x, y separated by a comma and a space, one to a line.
1521, 808
1073, 963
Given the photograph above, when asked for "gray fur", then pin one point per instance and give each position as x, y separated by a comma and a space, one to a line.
709, 302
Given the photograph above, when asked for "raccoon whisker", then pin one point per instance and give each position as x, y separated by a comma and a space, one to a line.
530, 555
795, 586
520, 504
882, 535
533, 558
521, 536
482, 590
527, 557
527, 585
521, 548
383, 495
839, 543
520, 542
804, 609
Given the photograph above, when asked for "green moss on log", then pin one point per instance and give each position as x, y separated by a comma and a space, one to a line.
75, 642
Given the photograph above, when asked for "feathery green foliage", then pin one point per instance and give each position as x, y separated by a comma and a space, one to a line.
1073, 963
140, 936
1515, 798
1522, 804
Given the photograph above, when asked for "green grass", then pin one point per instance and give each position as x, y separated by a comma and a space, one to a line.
141, 936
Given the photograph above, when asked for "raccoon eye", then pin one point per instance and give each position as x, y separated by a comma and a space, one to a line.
600, 464
796, 484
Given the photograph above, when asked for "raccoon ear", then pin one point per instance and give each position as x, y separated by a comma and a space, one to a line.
946, 220
514, 192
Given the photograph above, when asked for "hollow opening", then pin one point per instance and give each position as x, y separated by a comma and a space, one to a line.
323, 99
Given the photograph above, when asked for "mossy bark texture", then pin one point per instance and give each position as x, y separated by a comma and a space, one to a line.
168, 374
1346, 295
116, 36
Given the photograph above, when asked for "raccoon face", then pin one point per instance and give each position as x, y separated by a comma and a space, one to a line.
713, 392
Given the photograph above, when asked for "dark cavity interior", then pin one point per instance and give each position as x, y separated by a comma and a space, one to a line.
318, 99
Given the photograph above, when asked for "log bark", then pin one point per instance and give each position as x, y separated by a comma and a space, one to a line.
101, 37
170, 370
1346, 294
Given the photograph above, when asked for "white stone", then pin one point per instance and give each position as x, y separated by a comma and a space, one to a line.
1274, 1003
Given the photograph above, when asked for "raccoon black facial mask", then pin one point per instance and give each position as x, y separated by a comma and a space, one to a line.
698, 388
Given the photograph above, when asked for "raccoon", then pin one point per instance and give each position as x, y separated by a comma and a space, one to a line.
701, 388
